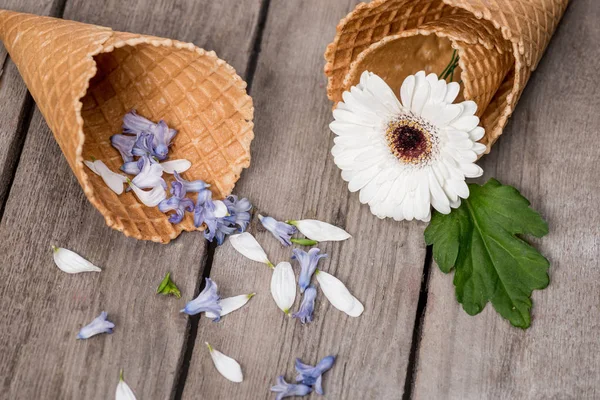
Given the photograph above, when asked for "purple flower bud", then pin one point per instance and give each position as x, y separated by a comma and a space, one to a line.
307, 307
284, 389
193, 186
313, 376
97, 326
207, 300
308, 263
240, 210
282, 231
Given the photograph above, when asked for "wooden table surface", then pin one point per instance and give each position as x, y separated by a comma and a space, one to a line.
413, 340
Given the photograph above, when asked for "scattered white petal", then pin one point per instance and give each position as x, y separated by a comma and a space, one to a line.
247, 246
320, 231
338, 294
71, 262
179, 166
283, 286
226, 366
220, 209
113, 180
231, 304
123, 391
150, 198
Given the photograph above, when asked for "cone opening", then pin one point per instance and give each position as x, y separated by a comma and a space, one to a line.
396, 57
195, 93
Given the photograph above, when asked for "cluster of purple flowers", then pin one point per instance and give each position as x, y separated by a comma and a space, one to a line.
149, 142
308, 377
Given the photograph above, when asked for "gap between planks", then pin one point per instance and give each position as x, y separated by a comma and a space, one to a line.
188, 350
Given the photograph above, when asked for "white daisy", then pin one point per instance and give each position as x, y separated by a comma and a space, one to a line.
405, 156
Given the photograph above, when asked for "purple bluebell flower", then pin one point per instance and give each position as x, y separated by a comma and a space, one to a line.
191, 186
177, 202
144, 146
162, 140
313, 376
207, 300
307, 307
124, 143
132, 167
240, 210
284, 389
212, 214
282, 231
135, 124
308, 263
150, 174
225, 226
99, 325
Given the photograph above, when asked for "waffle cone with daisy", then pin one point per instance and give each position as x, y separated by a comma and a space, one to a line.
423, 88
86, 78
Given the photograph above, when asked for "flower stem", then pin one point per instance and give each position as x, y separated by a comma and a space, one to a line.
304, 242
449, 70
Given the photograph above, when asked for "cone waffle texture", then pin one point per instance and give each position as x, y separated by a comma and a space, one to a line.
85, 78
500, 42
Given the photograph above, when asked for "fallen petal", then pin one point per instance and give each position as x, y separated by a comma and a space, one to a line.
320, 231
113, 180
99, 325
149, 198
283, 286
338, 295
230, 304
123, 391
226, 366
247, 246
179, 166
71, 262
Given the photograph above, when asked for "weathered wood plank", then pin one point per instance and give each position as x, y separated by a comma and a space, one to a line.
15, 103
44, 308
550, 152
293, 176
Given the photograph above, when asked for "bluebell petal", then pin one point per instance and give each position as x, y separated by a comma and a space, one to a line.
134, 123
307, 307
99, 325
240, 210
177, 189
144, 145
169, 204
177, 217
284, 389
312, 376
124, 144
308, 263
282, 231
161, 146
207, 300
191, 186
131, 167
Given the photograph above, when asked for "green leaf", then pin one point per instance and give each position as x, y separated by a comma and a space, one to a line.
491, 262
168, 287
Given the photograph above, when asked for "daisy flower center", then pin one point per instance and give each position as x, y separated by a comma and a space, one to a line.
411, 140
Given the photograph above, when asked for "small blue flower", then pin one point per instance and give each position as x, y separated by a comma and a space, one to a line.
132, 167
144, 146
97, 326
177, 203
124, 143
313, 376
225, 226
308, 263
162, 140
207, 300
284, 389
282, 231
240, 210
307, 307
193, 186
135, 124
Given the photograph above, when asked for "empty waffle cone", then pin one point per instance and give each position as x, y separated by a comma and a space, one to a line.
499, 43
85, 78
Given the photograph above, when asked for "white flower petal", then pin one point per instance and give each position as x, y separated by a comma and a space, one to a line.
338, 294
467, 123
320, 231
123, 391
226, 365
231, 304
283, 286
247, 246
113, 180
179, 166
149, 177
220, 209
452, 91
150, 198
71, 262
407, 90
477, 133
421, 95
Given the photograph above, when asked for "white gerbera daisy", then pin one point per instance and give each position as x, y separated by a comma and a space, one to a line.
404, 157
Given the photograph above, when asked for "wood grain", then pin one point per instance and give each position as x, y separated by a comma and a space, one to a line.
43, 308
293, 176
550, 152
15, 103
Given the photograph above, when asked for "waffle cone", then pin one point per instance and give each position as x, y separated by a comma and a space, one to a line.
85, 78
500, 42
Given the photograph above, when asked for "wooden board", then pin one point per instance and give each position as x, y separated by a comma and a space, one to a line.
15, 103
293, 176
43, 308
550, 152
